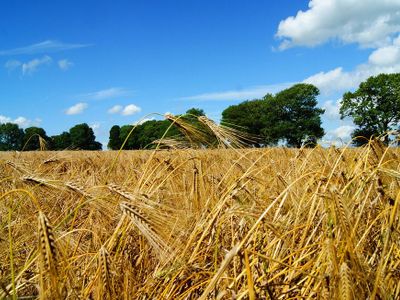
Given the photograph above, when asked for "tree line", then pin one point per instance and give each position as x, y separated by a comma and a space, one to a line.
290, 117
80, 136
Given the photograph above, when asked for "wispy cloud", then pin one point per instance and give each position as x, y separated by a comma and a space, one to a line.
43, 47
113, 92
20, 121
12, 64
240, 94
31, 66
76, 109
64, 64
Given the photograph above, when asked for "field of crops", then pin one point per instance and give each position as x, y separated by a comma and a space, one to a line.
270, 223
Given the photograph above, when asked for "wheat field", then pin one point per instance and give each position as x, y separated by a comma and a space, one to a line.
271, 223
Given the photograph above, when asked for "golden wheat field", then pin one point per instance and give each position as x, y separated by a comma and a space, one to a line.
270, 223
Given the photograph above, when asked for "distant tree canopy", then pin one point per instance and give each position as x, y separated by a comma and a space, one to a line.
374, 107
144, 134
34, 138
252, 116
61, 141
115, 141
291, 116
83, 138
11, 137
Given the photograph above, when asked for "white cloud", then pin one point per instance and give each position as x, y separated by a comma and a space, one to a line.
43, 47
31, 66
332, 81
130, 110
96, 126
64, 64
20, 121
383, 60
115, 109
76, 109
386, 56
369, 23
241, 94
342, 132
107, 93
332, 109
12, 64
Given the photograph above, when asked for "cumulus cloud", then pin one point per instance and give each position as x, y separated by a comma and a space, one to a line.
34, 64
241, 94
43, 47
12, 64
115, 109
333, 80
382, 60
64, 64
130, 110
369, 23
386, 56
96, 126
20, 121
332, 109
342, 132
76, 109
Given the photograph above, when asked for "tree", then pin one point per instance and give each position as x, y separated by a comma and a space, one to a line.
290, 116
115, 142
374, 106
294, 117
144, 134
11, 137
34, 138
61, 141
249, 116
82, 137
131, 143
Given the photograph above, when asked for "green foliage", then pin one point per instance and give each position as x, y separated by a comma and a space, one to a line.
61, 141
11, 137
291, 116
115, 141
250, 116
294, 117
144, 134
374, 106
31, 138
361, 136
83, 138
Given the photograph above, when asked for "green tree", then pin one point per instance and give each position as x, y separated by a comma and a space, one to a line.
144, 134
250, 116
31, 140
294, 117
82, 137
290, 116
11, 137
374, 106
61, 141
115, 142
131, 143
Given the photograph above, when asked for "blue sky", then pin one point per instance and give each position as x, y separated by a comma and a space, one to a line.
113, 62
